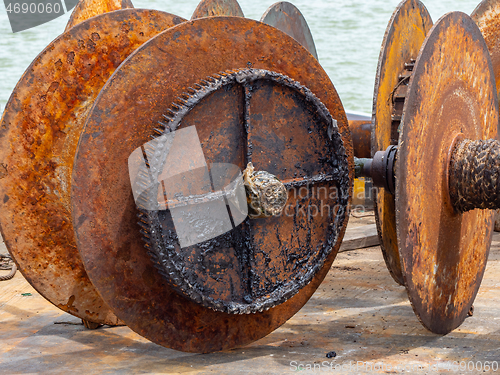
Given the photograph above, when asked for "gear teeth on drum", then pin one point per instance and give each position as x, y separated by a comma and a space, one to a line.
174, 114
150, 223
398, 98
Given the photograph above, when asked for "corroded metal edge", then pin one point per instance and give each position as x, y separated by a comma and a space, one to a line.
487, 17
404, 35
443, 253
86, 9
288, 18
39, 132
110, 241
219, 8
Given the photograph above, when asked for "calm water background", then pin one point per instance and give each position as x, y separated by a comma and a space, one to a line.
348, 35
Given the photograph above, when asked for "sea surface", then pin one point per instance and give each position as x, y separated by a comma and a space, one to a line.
347, 33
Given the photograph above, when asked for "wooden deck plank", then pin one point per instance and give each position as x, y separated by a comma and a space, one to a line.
360, 237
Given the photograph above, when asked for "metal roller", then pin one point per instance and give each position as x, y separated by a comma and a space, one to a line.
217, 8
444, 252
193, 179
288, 18
86, 9
407, 29
445, 172
487, 17
39, 132
128, 110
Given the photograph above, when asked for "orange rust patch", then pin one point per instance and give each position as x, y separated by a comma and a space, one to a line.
443, 253
39, 133
405, 34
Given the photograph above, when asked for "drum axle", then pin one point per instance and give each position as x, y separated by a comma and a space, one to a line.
380, 169
474, 173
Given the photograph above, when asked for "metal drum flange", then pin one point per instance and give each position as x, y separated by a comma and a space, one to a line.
361, 129
452, 96
487, 17
288, 18
403, 38
39, 132
129, 107
252, 267
212, 8
86, 9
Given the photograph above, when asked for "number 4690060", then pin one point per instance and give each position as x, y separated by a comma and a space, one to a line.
33, 8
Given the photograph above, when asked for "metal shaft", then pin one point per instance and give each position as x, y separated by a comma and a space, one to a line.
361, 132
474, 177
380, 169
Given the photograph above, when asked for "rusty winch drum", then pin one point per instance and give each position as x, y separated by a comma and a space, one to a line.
192, 179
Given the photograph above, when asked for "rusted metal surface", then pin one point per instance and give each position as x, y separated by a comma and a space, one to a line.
39, 132
266, 261
288, 18
123, 119
211, 8
452, 94
404, 36
487, 17
361, 130
86, 9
